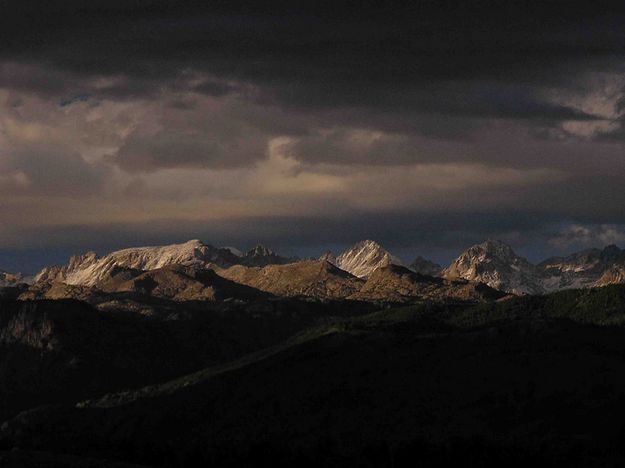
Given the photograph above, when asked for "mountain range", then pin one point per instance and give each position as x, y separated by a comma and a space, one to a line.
492, 263
496, 264
194, 355
89, 269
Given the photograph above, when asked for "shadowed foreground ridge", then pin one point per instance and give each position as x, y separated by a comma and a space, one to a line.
526, 380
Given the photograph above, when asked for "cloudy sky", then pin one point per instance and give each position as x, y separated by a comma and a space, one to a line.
427, 127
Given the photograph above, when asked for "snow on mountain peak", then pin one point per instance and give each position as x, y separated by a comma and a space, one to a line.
364, 258
492, 262
495, 263
89, 269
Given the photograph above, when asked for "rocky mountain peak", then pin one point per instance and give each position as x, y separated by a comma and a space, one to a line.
328, 257
262, 256
89, 269
260, 251
494, 248
364, 258
495, 263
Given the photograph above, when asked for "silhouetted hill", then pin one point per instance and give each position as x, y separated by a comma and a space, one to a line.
64, 350
526, 381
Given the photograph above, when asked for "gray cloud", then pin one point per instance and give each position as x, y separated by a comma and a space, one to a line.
485, 59
428, 125
578, 235
42, 171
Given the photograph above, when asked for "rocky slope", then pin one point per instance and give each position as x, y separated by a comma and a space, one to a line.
588, 268
613, 275
172, 282
312, 278
90, 269
364, 258
263, 256
497, 265
399, 284
185, 272
181, 283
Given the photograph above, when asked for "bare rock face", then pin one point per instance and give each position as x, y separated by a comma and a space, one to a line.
399, 284
172, 282
89, 269
77, 263
262, 256
364, 258
588, 268
492, 262
310, 278
613, 275
497, 265
179, 283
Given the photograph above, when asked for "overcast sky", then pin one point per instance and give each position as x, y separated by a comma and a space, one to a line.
427, 127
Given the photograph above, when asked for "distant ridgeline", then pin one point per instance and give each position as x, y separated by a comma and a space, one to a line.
365, 272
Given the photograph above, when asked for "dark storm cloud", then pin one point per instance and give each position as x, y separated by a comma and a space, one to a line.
436, 69
443, 236
48, 171
321, 54
169, 148
366, 88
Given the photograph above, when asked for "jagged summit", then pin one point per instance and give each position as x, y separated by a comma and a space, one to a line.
586, 260
492, 262
364, 258
495, 263
588, 268
89, 269
262, 256
496, 247
260, 250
